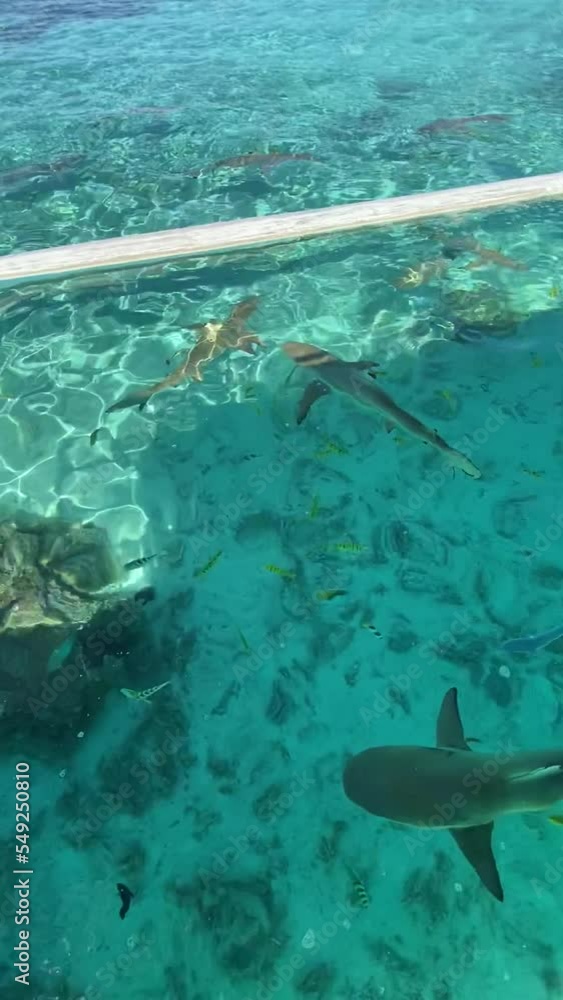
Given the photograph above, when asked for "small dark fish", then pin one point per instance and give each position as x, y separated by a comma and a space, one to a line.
6, 612
141, 561
145, 595
371, 628
126, 896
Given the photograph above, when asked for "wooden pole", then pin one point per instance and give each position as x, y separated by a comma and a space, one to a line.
197, 241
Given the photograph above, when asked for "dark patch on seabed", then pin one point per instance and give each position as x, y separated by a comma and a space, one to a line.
28, 19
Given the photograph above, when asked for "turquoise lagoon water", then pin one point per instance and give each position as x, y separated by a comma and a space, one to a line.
218, 801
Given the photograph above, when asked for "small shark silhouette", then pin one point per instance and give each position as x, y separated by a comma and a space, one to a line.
453, 788
349, 377
214, 338
459, 124
262, 161
30, 171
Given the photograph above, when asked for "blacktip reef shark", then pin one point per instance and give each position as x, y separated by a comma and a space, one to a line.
453, 788
350, 377
214, 337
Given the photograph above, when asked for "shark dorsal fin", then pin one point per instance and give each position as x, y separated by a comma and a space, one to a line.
449, 728
313, 392
475, 843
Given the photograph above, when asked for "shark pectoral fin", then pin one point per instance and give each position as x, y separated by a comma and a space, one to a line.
313, 392
449, 728
247, 342
475, 843
389, 426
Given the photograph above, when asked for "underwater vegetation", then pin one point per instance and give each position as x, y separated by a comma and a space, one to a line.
243, 917
52, 574
51, 571
69, 636
144, 769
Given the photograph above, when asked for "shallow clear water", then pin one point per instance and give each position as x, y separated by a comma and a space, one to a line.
218, 800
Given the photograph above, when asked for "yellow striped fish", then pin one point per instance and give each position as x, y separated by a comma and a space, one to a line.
315, 508
347, 547
360, 894
209, 564
142, 695
278, 571
331, 448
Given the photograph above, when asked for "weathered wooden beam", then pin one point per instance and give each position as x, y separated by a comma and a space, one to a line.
197, 241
